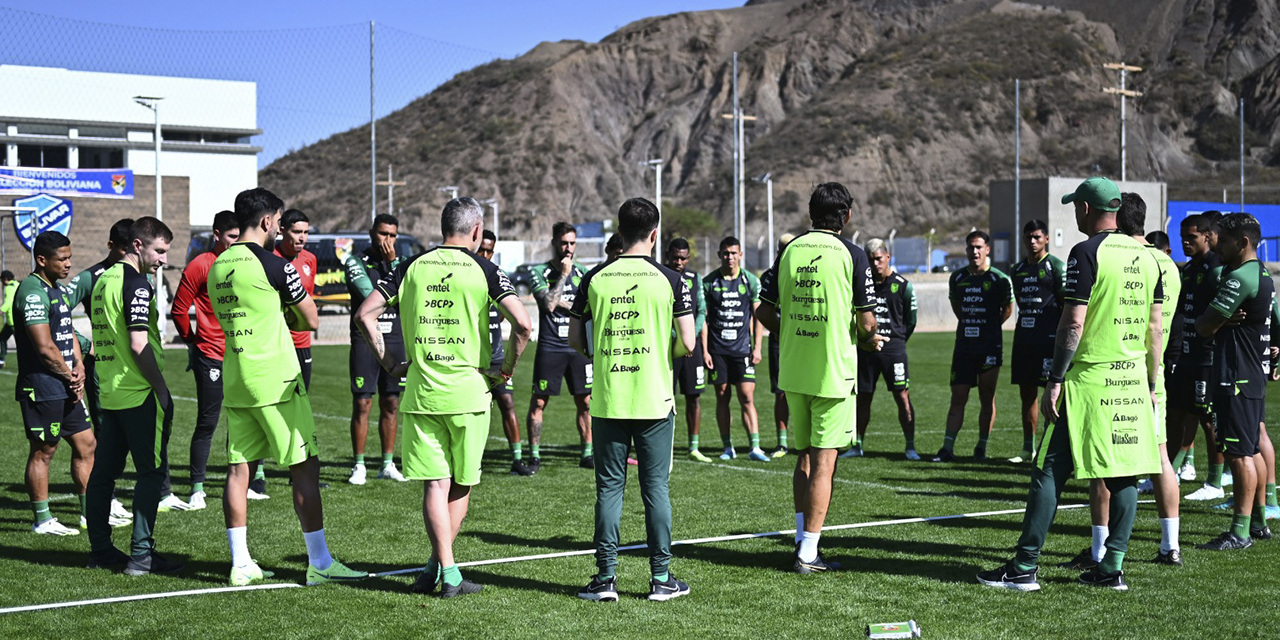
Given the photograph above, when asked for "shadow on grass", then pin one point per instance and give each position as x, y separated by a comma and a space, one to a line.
199, 570
560, 543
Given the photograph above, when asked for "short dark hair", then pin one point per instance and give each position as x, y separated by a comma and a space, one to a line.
6, 275
1159, 240
729, 241
48, 243
1132, 215
119, 235
677, 244
637, 217
1241, 225
489, 235
560, 228
224, 221
828, 206
385, 218
148, 229
978, 233
1035, 225
292, 217
613, 244
1203, 222
252, 205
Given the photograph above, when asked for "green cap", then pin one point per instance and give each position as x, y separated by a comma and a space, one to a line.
1097, 193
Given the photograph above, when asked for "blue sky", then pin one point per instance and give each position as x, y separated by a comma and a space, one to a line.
310, 59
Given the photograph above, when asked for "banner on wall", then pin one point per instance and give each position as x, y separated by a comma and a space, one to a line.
81, 183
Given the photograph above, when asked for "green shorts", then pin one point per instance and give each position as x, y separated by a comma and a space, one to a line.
285, 431
440, 446
824, 423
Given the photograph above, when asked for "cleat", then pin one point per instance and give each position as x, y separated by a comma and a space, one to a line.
112, 559
1172, 558
196, 502
1261, 533
1082, 562
52, 527
519, 468
254, 495
1026, 455
260, 485
390, 472
425, 584
534, 465
980, 454
758, 455
151, 563
600, 590
464, 588
1146, 487
1226, 542
249, 574
1272, 513
669, 590
779, 452
1207, 492
1097, 578
819, 564
698, 455
172, 503
357, 475
1009, 577
586, 462
1229, 504
912, 455
118, 511
944, 455
728, 454
1187, 472
854, 452
337, 572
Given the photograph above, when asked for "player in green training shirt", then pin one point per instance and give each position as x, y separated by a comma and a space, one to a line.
9, 286
1105, 367
826, 296
137, 410
444, 295
50, 387
633, 304
253, 292
1038, 284
1239, 322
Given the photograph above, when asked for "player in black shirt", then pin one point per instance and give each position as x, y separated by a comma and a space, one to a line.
503, 392
1038, 283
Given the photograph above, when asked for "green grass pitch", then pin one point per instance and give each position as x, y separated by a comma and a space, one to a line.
740, 589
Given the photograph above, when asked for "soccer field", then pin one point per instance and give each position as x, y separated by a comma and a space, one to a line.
742, 588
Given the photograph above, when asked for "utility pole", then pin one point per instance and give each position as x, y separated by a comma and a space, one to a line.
1017, 169
153, 103
1124, 94
493, 202
373, 136
767, 179
656, 164
390, 183
737, 149
1241, 155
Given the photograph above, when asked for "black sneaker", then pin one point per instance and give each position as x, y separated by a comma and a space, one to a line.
819, 564
1082, 562
425, 583
259, 485
587, 462
519, 468
1009, 577
1096, 578
151, 563
533, 465
980, 454
113, 559
663, 591
1260, 534
944, 455
1228, 541
600, 590
832, 565
1173, 558
464, 588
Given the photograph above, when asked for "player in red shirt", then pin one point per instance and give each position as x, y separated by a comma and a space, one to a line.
206, 344
294, 229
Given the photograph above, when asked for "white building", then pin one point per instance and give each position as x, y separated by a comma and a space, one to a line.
60, 118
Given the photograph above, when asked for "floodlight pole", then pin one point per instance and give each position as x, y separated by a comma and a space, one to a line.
767, 179
1241, 155
656, 164
1017, 169
373, 136
452, 191
153, 103
493, 202
1124, 70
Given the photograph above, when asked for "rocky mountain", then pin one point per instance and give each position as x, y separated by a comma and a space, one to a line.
910, 103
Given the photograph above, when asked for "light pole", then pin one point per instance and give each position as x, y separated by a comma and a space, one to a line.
452, 191
493, 202
153, 103
1124, 70
390, 183
656, 164
767, 179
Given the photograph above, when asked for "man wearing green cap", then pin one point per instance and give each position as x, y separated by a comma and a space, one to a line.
1100, 397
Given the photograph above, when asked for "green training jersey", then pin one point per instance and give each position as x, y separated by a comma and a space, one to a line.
980, 299
1171, 286
1119, 279
632, 302
39, 302
123, 303
1242, 358
249, 287
1038, 287
10, 290
553, 327
731, 306
443, 296
822, 281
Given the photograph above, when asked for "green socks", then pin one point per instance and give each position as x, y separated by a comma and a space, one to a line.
782, 438
261, 474
1240, 525
1179, 459
533, 451
693, 443
515, 451
1111, 562
1259, 519
755, 440
1191, 456
433, 569
197, 487
41, 509
587, 449
1271, 494
360, 458
949, 442
662, 577
82, 498
388, 458
1215, 475
452, 576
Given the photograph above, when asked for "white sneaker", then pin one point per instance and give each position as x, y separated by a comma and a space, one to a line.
1146, 487
254, 495
1227, 478
390, 472
119, 512
1187, 472
728, 454
196, 502
52, 527
111, 520
1207, 492
357, 475
172, 503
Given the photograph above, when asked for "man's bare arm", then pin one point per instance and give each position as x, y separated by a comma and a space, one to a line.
521, 328
767, 315
367, 321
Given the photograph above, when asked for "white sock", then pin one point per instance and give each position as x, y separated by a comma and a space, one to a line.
238, 538
809, 546
317, 549
799, 526
1099, 548
1169, 534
